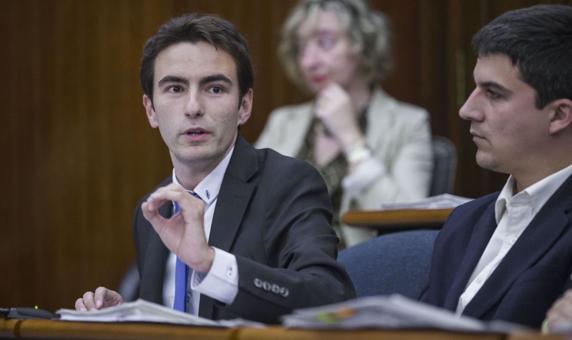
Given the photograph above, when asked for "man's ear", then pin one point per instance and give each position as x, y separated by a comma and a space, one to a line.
245, 108
560, 115
150, 111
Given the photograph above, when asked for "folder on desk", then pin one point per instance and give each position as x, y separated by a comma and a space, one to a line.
393, 311
443, 201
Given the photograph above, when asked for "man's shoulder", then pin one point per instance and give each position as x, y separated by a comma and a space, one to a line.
457, 231
467, 214
278, 177
479, 202
272, 160
269, 164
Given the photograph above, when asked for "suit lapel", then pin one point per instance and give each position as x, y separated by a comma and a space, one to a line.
232, 202
481, 234
542, 232
234, 195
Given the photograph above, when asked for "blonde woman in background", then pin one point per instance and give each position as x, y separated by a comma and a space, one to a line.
369, 147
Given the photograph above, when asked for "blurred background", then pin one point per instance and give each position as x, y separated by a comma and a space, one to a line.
78, 151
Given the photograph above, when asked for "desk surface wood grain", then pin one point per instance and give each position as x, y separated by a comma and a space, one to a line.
397, 219
50, 329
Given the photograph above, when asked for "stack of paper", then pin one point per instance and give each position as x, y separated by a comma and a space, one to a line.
394, 311
145, 311
442, 201
138, 311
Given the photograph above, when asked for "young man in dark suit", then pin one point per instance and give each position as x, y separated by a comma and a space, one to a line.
248, 230
508, 255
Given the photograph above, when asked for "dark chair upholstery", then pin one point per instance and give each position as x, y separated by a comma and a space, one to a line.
129, 285
444, 166
391, 263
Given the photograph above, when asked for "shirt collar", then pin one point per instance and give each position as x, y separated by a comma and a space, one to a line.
209, 187
538, 193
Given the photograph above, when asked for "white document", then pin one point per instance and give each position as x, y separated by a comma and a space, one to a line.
388, 312
140, 311
144, 311
442, 201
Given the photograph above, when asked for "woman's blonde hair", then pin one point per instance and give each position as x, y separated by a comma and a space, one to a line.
367, 30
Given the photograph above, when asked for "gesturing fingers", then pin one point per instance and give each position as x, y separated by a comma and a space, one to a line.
184, 227
171, 193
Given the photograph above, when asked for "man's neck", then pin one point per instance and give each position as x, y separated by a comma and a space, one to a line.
526, 179
548, 157
190, 177
190, 174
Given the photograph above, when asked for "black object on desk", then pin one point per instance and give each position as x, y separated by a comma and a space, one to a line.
26, 313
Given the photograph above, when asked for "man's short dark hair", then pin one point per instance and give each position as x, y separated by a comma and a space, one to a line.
538, 40
195, 28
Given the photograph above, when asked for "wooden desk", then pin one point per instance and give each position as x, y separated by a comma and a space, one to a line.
48, 329
536, 336
8, 328
400, 219
279, 333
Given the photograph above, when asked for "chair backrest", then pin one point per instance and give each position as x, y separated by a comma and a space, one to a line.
444, 166
391, 263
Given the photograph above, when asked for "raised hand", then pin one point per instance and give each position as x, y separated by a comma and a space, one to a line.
183, 233
335, 110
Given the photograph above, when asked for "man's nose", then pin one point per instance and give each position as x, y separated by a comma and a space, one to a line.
471, 109
193, 107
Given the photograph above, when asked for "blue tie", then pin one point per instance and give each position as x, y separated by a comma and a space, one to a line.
181, 274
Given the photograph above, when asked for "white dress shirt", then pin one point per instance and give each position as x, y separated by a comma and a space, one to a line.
221, 281
513, 213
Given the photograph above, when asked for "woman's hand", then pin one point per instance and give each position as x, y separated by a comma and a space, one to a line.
335, 110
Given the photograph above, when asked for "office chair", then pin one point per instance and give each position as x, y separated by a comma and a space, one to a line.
391, 263
444, 166
399, 262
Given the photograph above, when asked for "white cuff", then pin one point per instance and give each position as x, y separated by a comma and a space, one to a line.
363, 174
221, 281
357, 154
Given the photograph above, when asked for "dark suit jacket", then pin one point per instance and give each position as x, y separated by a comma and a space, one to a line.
527, 281
273, 213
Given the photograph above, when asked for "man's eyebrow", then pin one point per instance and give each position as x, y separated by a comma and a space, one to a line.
494, 86
172, 79
203, 81
214, 78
